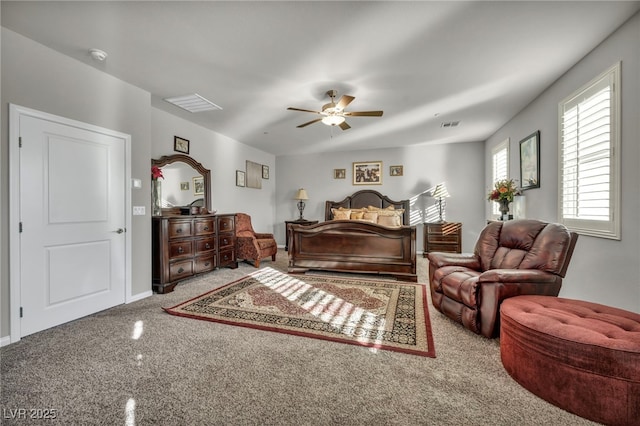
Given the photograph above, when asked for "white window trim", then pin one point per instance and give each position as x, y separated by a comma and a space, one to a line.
610, 229
504, 145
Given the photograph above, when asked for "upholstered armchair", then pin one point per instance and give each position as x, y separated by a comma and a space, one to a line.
252, 245
510, 258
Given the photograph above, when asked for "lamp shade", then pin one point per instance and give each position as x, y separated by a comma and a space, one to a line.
301, 195
440, 192
333, 120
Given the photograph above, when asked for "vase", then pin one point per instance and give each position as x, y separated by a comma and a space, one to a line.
156, 197
504, 209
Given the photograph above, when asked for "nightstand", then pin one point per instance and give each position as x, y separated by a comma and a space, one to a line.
304, 222
442, 236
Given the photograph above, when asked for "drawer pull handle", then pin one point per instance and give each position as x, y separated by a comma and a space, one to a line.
207, 264
179, 231
207, 246
180, 249
206, 228
180, 270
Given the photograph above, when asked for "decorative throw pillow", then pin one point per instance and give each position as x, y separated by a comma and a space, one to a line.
370, 217
356, 215
389, 220
398, 214
341, 214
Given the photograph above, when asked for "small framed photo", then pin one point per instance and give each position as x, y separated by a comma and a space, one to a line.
184, 186
180, 145
339, 173
198, 185
396, 171
240, 178
530, 161
367, 173
265, 172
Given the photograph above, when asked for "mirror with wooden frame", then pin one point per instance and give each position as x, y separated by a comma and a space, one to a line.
186, 183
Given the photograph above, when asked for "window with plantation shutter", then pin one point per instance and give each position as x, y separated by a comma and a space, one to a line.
589, 158
500, 167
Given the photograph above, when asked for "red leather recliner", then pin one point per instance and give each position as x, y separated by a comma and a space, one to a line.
510, 258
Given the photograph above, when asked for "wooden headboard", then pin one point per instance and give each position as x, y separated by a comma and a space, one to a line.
368, 197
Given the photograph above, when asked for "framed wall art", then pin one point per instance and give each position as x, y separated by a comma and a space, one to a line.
396, 171
530, 161
367, 173
339, 173
184, 186
254, 175
198, 185
240, 178
180, 145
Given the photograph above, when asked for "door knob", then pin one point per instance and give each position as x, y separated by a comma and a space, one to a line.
119, 231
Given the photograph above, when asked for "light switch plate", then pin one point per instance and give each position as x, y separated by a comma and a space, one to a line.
138, 211
136, 183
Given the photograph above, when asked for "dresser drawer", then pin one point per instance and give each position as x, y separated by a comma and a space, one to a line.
227, 257
205, 244
205, 263
178, 249
204, 226
227, 241
179, 229
226, 223
181, 269
439, 238
452, 248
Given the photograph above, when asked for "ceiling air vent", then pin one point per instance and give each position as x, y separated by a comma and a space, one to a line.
193, 103
450, 124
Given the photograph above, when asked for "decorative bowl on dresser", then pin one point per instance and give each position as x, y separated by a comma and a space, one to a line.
184, 246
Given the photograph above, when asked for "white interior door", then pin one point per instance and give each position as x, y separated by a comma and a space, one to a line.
72, 220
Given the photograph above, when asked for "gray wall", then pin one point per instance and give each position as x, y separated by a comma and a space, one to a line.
603, 271
458, 165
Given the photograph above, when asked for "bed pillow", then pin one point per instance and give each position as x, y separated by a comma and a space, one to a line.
356, 215
370, 217
390, 220
341, 214
395, 215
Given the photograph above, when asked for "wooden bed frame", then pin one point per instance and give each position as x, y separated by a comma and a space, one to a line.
355, 246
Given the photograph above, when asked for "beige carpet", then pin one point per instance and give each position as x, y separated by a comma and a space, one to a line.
135, 364
382, 314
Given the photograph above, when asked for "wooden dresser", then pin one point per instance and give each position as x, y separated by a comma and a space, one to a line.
442, 236
184, 246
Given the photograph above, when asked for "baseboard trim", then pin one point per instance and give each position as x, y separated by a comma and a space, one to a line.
139, 296
4, 341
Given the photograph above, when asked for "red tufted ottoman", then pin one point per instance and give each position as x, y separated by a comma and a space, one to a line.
580, 356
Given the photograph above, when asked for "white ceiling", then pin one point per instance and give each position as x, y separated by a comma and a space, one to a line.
422, 62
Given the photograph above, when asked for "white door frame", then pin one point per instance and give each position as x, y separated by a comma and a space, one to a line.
15, 112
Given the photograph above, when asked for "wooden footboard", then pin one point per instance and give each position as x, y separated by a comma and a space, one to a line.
354, 246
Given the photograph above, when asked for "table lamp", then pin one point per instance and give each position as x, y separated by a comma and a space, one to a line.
301, 195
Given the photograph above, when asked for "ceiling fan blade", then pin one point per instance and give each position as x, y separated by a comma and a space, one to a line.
309, 122
344, 101
363, 113
344, 125
303, 110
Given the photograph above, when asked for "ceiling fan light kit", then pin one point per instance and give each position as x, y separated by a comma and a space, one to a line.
334, 114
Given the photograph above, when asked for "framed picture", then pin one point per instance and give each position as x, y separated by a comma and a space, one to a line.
184, 186
396, 171
367, 173
240, 178
530, 161
254, 175
265, 172
198, 185
339, 173
180, 145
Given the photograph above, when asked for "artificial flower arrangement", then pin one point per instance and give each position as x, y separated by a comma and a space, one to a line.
156, 173
504, 189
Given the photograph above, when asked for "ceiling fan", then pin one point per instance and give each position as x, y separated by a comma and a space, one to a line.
333, 114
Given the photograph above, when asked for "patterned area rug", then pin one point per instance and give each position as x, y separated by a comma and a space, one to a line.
390, 315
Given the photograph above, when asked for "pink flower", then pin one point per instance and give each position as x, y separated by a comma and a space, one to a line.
156, 173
